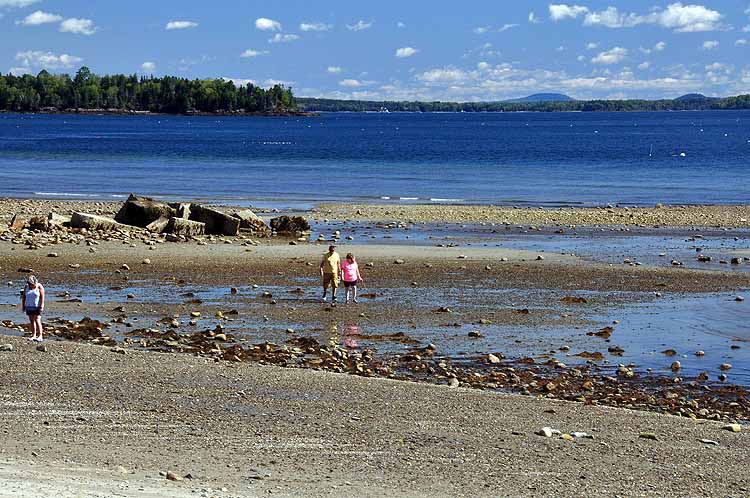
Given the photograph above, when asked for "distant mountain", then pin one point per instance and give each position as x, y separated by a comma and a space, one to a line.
694, 96
542, 97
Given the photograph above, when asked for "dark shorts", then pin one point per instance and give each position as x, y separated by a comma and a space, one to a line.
350, 284
33, 311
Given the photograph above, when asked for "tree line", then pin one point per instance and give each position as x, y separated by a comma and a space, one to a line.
682, 104
168, 94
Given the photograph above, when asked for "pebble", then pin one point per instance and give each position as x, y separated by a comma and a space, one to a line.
710, 442
42, 348
491, 358
676, 366
173, 477
739, 299
52, 255
725, 366
547, 432
6, 347
732, 427
453, 383
125, 267
146, 261
648, 435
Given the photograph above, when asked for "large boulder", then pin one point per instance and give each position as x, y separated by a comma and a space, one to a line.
217, 223
290, 224
92, 222
252, 222
56, 219
141, 211
158, 226
179, 226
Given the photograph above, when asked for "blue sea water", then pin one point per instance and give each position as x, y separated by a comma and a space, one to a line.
500, 158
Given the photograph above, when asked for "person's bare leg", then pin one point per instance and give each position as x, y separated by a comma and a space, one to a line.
32, 326
354, 292
39, 328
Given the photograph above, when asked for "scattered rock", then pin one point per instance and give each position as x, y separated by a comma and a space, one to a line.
732, 427
173, 477
725, 366
648, 435
6, 347
290, 224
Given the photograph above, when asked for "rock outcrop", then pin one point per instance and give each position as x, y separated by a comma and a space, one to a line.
92, 222
252, 222
290, 224
217, 223
142, 211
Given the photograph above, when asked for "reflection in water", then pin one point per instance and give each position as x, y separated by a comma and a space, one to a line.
348, 336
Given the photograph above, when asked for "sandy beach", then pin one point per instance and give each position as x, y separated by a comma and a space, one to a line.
215, 358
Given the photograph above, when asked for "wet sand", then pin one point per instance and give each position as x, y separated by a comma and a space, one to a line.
449, 441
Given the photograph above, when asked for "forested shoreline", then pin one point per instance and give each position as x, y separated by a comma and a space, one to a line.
121, 93
124, 94
696, 104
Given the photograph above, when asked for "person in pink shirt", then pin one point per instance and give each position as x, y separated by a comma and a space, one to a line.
350, 271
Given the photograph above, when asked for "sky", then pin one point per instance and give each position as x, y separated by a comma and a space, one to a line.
475, 50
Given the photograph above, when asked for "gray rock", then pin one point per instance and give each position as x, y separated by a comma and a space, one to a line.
179, 226
6, 347
142, 211
158, 226
252, 222
93, 222
290, 224
216, 222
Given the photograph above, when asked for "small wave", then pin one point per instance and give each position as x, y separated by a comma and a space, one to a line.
277, 143
65, 194
119, 196
437, 199
385, 198
408, 198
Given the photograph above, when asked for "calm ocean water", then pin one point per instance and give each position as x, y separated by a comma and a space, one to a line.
519, 158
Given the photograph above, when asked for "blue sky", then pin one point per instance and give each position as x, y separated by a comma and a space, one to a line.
424, 50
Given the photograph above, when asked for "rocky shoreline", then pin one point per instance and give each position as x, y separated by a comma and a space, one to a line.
429, 316
646, 217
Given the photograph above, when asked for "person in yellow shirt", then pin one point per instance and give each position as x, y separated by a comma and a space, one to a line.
330, 271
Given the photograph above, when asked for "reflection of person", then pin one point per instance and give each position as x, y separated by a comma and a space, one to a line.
330, 269
349, 340
32, 303
351, 276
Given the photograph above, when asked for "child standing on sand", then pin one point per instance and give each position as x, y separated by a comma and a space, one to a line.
32, 303
350, 271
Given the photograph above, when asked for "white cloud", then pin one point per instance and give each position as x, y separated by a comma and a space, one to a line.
581, 58
446, 74
350, 83
746, 29
283, 38
481, 30
249, 53
315, 26
506, 27
17, 3
561, 48
359, 26
644, 65
265, 24
689, 18
710, 45
591, 45
47, 60
612, 56
406, 52
741, 42
180, 25
677, 17
533, 19
273, 82
39, 17
19, 71
78, 26
612, 18
483, 66
239, 81
563, 11
660, 46
148, 67
400, 25
334, 69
